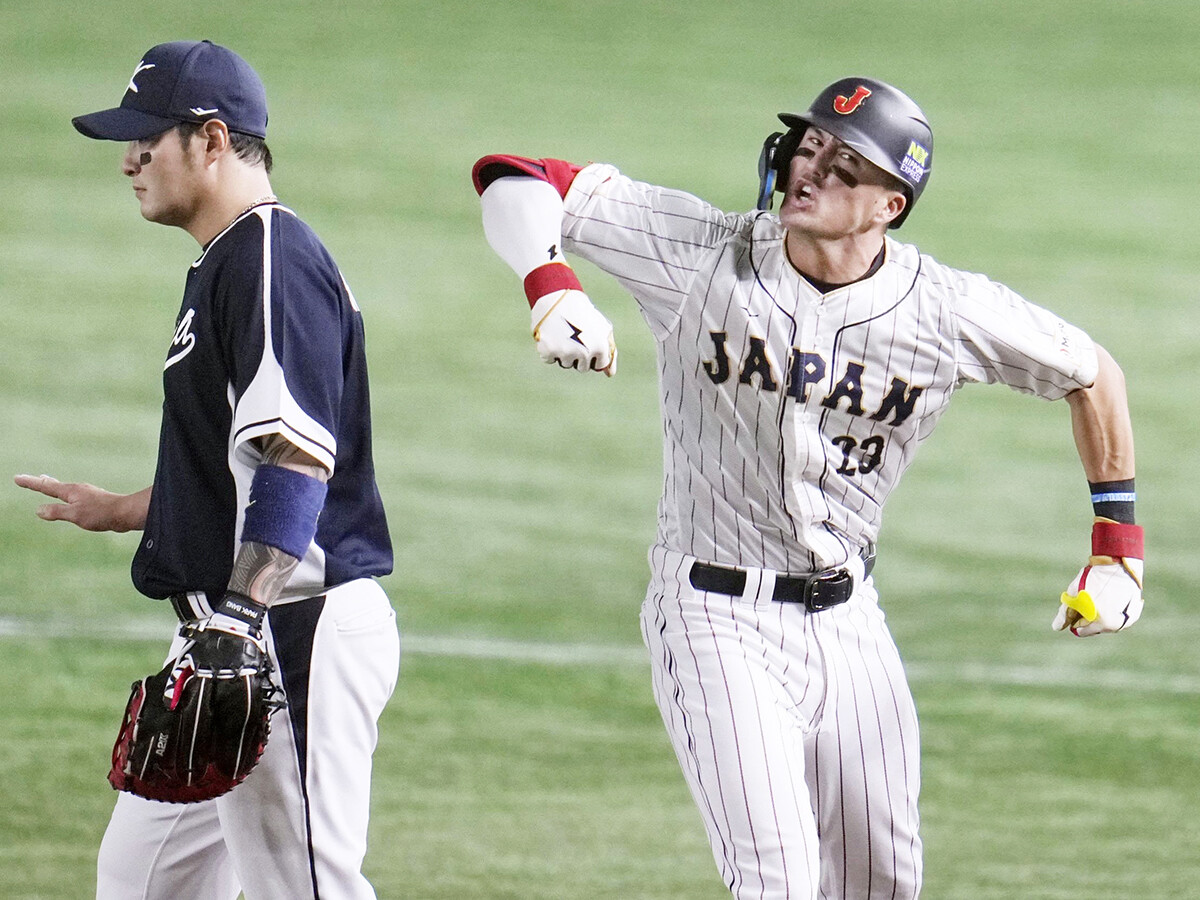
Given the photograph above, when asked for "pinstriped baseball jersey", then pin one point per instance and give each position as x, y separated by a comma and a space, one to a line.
789, 415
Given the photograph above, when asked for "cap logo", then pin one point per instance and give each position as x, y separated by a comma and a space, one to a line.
142, 67
847, 105
201, 111
913, 164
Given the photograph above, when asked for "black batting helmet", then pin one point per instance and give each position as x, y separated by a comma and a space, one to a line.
873, 118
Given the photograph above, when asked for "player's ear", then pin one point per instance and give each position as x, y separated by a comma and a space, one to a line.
216, 137
893, 205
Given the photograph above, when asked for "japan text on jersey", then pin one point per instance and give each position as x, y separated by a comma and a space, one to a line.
790, 414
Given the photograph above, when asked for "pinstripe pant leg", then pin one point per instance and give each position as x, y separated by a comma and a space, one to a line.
732, 701
864, 760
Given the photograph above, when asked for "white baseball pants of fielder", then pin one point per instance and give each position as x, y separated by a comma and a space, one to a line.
297, 826
796, 732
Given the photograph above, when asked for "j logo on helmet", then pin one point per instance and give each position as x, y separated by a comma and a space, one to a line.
847, 105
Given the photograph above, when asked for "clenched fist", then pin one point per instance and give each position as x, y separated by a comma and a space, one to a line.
571, 332
1106, 595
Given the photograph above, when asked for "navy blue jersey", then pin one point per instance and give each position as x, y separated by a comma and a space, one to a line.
268, 341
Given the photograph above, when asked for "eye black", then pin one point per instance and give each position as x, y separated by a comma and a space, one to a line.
845, 177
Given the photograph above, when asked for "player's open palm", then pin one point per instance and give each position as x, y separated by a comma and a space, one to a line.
85, 505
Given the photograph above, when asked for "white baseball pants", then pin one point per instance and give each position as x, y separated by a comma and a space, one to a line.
297, 826
796, 733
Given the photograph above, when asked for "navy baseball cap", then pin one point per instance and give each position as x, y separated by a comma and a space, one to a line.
183, 81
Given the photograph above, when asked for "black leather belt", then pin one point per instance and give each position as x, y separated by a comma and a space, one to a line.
818, 591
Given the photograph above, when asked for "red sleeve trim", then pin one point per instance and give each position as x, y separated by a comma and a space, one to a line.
556, 172
1118, 540
549, 278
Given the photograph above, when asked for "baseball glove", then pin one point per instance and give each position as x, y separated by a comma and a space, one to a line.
194, 730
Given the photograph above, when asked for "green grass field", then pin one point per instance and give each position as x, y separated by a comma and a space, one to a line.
522, 756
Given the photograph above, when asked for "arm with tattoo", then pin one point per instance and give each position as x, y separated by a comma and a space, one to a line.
261, 570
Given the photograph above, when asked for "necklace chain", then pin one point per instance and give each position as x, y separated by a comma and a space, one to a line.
268, 198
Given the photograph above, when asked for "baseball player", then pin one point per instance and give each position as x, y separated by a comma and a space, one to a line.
264, 512
803, 357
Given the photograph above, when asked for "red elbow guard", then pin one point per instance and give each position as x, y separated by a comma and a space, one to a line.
556, 172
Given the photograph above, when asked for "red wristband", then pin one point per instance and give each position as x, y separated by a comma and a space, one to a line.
1116, 539
549, 278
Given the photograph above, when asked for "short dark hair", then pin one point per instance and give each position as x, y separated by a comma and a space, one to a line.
249, 148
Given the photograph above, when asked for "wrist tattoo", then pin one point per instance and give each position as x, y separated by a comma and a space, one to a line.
261, 571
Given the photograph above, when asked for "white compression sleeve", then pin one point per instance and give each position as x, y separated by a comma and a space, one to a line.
522, 220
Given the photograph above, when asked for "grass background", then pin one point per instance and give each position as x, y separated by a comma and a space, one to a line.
522, 498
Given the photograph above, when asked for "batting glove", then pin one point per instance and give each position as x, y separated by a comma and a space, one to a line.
571, 332
1106, 595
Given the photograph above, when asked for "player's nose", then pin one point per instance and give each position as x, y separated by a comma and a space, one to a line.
811, 168
129, 162
823, 161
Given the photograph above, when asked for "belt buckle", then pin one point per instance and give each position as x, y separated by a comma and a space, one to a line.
826, 589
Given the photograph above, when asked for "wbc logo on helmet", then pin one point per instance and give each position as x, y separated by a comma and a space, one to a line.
846, 105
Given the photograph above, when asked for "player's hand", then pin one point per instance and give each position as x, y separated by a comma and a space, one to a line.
85, 505
571, 332
194, 730
219, 646
1105, 596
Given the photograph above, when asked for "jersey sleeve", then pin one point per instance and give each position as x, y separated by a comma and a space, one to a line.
284, 343
1003, 338
653, 240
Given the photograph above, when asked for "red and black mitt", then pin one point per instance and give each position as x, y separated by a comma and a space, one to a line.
194, 730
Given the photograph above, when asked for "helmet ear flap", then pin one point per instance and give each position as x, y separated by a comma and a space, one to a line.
767, 173
774, 162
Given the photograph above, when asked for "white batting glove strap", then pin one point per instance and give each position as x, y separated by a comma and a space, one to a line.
572, 333
1105, 596
230, 625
